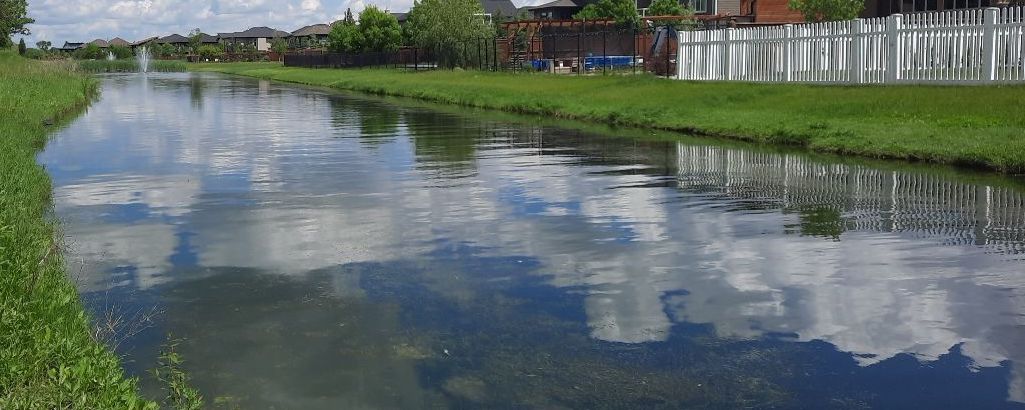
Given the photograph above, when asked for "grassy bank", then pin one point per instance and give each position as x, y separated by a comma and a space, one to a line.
129, 66
48, 359
969, 126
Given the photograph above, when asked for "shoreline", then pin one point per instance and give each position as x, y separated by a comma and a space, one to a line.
972, 127
49, 357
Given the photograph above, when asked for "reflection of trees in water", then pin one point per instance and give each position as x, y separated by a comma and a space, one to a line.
839, 197
444, 142
377, 123
196, 85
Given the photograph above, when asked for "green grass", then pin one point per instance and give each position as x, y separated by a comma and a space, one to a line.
129, 66
968, 126
48, 358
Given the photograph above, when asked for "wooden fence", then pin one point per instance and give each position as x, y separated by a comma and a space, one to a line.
958, 46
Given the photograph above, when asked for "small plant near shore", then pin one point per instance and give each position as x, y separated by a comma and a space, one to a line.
180, 394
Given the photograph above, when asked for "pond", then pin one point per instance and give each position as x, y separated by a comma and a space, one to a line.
313, 249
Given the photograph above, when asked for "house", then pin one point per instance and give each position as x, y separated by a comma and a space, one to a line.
558, 9
312, 36
498, 10
143, 43
178, 41
101, 43
118, 42
257, 37
69, 46
762, 12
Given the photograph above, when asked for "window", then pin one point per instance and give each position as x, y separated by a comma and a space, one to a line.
702, 6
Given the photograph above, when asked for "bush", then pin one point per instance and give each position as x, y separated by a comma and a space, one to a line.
21, 47
36, 54
89, 52
209, 52
120, 52
380, 31
345, 37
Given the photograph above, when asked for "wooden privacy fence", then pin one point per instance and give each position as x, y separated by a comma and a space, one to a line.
958, 46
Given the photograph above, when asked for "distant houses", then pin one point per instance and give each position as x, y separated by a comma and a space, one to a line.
312, 36
259, 38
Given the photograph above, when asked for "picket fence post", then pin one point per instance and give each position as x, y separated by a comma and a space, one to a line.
856, 65
682, 36
788, 52
894, 49
727, 49
989, 43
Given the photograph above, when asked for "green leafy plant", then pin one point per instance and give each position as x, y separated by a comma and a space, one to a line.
827, 10
21, 46
445, 27
671, 8
120, 52
44, 45
345, 37
210, 52
195, 40
13, 19
89, 52
180, 394
624, 12
379, 30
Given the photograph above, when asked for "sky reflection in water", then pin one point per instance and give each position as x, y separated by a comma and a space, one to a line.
319, 250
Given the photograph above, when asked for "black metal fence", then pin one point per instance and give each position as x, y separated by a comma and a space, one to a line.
554, 50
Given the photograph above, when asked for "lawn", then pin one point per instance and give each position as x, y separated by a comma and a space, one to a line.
967, 125
48, 358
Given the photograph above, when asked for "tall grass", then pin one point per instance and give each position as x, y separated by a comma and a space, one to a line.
48, 360
129, 66
972, 126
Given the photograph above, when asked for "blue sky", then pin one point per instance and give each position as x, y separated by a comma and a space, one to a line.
63, 20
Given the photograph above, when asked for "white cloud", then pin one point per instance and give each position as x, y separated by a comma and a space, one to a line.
58, 21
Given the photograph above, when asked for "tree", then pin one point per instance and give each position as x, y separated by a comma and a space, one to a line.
13, 19
44, 45
624, 12
670, 8
379, 30
345, 37
209, 52
828, 10
120, 51
348, 16
446, 27
195, 40
21, 46
89, 52
278, 45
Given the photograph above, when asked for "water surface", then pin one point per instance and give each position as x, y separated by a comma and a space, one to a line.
319, 250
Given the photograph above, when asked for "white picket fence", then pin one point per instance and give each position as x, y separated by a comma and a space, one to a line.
957, 46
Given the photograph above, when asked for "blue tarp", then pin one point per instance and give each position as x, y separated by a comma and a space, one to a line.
591, 63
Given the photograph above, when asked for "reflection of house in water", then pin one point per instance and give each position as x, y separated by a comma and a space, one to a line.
868, 199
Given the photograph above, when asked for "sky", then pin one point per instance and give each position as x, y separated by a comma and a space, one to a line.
58, 21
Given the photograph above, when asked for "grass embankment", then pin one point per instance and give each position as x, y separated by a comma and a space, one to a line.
969, 126
48, 359
129, 66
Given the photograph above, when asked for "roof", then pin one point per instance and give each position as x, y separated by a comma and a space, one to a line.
118, 41
313, 30
144, 41
256, 32
100, 43
504, 7
556, 4
69, 46
206, 38
400, 16
173, 39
